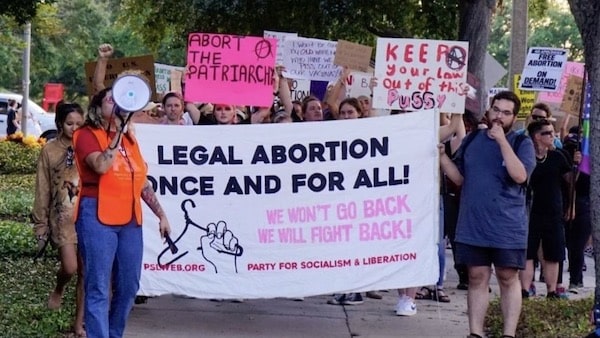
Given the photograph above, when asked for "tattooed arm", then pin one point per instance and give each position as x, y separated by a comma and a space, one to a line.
101, 161
149, 197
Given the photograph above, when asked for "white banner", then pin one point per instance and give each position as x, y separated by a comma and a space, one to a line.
543, 69
415, 74
286, 210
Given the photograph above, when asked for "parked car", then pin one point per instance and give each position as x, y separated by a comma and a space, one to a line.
40, 123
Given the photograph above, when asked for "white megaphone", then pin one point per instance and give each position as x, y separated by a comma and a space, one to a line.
131, 93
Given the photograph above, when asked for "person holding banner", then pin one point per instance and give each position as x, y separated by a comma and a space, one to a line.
173, 105
492, 230
109, 215
56, 186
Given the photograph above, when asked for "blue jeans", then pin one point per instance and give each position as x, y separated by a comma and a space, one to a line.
112, 259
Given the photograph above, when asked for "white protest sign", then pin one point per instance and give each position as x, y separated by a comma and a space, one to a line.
257, 212
357, 84
543, 69
491, 92
280, 36
310, 59
299, 89
416, 74
162, 76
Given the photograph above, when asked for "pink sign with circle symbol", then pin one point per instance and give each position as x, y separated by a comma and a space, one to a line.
230, 69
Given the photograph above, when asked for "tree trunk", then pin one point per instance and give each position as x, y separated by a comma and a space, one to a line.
474, 26
587, 17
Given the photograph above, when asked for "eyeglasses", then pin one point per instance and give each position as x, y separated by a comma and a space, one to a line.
538, 117
70, 156
497, 110
547, 132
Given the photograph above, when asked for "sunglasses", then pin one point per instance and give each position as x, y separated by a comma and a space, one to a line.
546, 133
538, 117
70, 156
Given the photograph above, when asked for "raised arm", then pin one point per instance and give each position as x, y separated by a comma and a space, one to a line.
332, 98
105, 51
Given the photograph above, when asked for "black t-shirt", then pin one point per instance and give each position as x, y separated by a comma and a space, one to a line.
545, 184
10, 121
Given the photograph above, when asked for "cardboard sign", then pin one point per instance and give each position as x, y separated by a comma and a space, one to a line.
353, 55
162, 77
543, 69
230, 69
280, 36
417, 74
572, 68
527, 98
114, 67
571, 102
175, 79
291, 210
311, 59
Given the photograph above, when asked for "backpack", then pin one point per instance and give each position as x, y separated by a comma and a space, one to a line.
469, 138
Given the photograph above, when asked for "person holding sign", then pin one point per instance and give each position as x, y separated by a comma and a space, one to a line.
492, 229
108, 217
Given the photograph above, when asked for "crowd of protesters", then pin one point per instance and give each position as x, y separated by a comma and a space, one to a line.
535, 206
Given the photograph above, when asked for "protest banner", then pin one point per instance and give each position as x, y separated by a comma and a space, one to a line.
527, 98
230, 69
280, 37
310, 59
114, 67
555, 98
257, 212
571, 103
493, 71
543, 69
585, 165
416, 74
162, 77
353, 55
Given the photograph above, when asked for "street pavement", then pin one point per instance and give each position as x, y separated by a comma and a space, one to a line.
170, 316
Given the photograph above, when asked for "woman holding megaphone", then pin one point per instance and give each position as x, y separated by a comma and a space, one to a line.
109, 215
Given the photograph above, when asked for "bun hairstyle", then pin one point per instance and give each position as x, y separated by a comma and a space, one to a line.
63, 109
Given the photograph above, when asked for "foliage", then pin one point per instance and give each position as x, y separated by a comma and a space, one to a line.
21, 10
19, 154
16, 197
544, 318
16, 240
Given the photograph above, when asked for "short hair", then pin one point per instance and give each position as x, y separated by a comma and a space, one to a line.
544, 107
170, 95
535, 126
510, 96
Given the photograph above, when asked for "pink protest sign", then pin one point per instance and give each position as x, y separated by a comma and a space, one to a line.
572, 68
230, 69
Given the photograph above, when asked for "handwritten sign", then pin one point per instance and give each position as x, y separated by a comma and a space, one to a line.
280, 37
257, 212
114, 67
353, 55
527, 98
572, 68
421, 74
311, 59
571, 103
230, 69
357, 84
162, 77
543, 69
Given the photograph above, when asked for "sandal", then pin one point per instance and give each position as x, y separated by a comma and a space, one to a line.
424, 293
440, 296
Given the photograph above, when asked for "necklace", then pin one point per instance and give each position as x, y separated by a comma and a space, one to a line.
541, 160
62, 142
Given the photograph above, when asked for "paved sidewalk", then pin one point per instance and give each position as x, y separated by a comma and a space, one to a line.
175, 317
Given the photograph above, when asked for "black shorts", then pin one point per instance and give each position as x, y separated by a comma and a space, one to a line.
550, 233
471, 255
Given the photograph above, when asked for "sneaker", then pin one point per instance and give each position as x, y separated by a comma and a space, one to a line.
406, 307
562, 293
553, 295
573, 288
532, 290
374, 295
353, 299
337, 300
524, 294
462, 286
589, 251
237, 300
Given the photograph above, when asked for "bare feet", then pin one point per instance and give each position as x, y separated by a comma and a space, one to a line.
55, 300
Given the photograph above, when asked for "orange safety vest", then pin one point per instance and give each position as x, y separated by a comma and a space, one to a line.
120, 187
